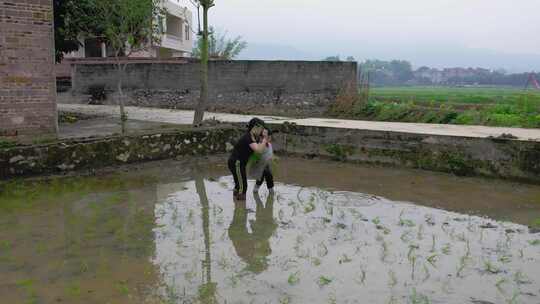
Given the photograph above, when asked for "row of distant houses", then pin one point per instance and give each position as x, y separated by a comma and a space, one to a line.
436, 76
176, 36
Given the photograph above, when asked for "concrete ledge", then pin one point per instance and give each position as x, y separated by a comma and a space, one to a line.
471, 156
490, 157
90, 153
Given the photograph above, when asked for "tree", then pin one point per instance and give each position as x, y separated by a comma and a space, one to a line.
128, 27
402, 70
220, 47
393, 72
63, 42
337, 58
201, 106
71, 19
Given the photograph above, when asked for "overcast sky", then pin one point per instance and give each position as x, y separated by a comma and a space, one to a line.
433, 32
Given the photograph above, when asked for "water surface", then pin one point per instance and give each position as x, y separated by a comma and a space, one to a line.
170, 232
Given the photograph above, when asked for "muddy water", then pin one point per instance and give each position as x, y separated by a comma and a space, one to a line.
333, 233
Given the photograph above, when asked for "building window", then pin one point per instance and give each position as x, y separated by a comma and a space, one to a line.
174, 26
187, 32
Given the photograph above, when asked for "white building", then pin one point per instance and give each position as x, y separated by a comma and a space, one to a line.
177, 36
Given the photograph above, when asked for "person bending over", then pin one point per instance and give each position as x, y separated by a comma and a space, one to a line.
251, 142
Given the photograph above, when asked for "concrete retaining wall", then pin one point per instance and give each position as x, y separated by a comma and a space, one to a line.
500, 158
491, 157
94, 153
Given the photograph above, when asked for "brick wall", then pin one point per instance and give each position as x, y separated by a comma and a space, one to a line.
27, 83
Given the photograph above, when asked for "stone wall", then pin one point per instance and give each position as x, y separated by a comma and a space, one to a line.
94, 153
27, 82
463, 156
234, 85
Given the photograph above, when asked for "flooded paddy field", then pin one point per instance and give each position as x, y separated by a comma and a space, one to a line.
170, 232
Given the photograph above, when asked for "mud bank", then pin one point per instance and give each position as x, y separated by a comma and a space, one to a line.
463, 156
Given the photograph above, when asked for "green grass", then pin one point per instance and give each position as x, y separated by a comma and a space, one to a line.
535, 242
418, 298
27, 285
293, 278
20, 195
322, 281
6, 144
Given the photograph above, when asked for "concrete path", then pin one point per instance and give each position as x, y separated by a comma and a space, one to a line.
186, 117
108, 125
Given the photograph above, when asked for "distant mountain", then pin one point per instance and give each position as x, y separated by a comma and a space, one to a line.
436, 56
468, 57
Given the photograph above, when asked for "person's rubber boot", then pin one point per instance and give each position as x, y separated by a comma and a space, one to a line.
241, 196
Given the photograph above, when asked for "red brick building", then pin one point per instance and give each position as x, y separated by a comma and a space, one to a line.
27, 82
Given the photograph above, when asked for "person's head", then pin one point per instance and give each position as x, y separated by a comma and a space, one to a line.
256, 126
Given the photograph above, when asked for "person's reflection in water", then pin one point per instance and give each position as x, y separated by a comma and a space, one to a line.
253, 248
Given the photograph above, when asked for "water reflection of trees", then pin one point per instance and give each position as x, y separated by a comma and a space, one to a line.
253, 248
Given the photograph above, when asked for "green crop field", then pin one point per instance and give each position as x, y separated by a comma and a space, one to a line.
491, 106
460, 95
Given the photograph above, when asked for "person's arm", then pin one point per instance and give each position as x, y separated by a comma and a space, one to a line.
259, 147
